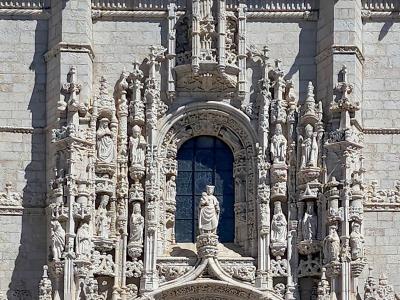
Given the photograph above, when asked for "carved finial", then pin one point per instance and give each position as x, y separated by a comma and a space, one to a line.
8, 188
45, 269
310, 92
323, 277
103, 86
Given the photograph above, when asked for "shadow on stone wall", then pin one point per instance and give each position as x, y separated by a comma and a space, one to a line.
32, 244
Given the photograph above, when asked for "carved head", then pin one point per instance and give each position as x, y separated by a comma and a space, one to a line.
136, 208
173, 178
332, 230
136, 130
355, 227
310, 208
104, 200
210, 189
309, 130
277, 207
104, 122
278, 129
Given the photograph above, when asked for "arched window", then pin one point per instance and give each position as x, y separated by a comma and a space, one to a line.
202, 161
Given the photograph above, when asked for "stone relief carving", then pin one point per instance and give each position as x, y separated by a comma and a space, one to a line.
309, 148
278, 145
57, 239
103, 221
10, 202
331, 246
379, 289
83, 243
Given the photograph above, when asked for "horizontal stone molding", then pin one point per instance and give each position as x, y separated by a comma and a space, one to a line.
23, 3
69, 47
282, 15
371, 15
25, 130
340, 50
109, 14
32, 13
381, 130
371, 207
265, 15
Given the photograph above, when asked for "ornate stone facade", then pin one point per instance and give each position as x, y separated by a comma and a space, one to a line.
115, 123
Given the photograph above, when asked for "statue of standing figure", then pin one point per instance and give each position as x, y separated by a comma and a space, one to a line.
309, 223
278, 145
105, 143
331, 246
136, 225
83, 243
57, 239
137, 147
102, 218
309, 148
209, 211
278, 225
171, 190
356, 241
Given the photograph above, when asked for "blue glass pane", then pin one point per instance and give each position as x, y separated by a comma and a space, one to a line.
185, 160
204, 160
223, 161
220, 144
184, 207
205, 142
184, 183
188, 144
183, 230
201, 180
223, 183
226, 205
225, 230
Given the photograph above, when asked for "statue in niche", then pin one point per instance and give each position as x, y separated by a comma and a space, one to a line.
102, 218
331, 245
356, 241
309, 148
209, 211
309, 223
57, 239
105, 143
136, 225
278, 225
83, 243
278, 145
137, 147
171, 190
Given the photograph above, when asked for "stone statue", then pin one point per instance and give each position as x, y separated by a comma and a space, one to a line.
278, 145
136, 225
171, 190
83, 243
57, 239
209, 211
309, 148
331, 245
102, 218
105, 143
309, 223
278, 225
137, 147
356, 241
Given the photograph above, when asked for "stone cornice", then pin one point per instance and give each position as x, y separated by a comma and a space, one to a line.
282, 15
381, 130
371, 15
109, 14
25, 130
32, 13
69, 47
340, 49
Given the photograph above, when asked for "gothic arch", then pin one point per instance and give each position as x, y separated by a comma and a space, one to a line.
234, 128
211, 289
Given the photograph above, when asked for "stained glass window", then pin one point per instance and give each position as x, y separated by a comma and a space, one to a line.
202, 161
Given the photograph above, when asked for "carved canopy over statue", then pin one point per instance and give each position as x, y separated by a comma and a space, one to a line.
209, 211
